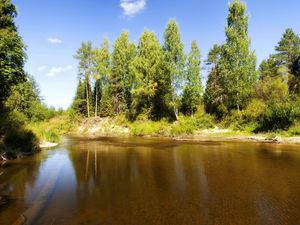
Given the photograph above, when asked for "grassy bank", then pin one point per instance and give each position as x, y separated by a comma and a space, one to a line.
53, 129
201, 125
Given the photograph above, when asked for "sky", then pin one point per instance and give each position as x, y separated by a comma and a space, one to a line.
54, 29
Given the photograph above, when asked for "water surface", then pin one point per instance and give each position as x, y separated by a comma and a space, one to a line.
151, 181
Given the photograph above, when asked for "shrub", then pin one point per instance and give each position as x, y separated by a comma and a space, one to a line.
21, 140
145, 128
295, 113
294, 130
276, 117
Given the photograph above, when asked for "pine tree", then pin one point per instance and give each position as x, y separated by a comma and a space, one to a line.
237, 65
120, 79
105, 109
12, 51
193, 87
288, 51
269, 67
86, 69
146, 68
174, 63
288, 48
80, 100
214, 97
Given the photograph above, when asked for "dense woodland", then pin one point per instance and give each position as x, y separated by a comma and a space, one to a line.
158, 81
153, 81
20, 101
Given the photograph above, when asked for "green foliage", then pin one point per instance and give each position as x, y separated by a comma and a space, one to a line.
102, 59
52, 130
12, 51
25, 100
288, 48
21, 140
152, 128
121, 80
146, 69
174, 63
269, 67
185, 125
106, 107
295, 114
276, 117
294, 130
80, 104
86, 70
287, 56
188, 125
237, 66
193, 86
214, 96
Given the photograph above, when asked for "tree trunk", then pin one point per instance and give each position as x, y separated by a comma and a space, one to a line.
176, 112
96, 103
87, 98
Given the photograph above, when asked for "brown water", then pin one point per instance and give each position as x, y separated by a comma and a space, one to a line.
148, 181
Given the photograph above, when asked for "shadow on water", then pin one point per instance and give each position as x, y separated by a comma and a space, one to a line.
153, 181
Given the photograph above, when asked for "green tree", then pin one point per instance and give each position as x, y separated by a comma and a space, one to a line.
86, 69
105, 109
120, 81
237, 65
269, 67
12, 51
288, 48
193, 87
79, 103
25, 101
102, 57
214, 96
146, 69
288, 51
274, 92
174, 63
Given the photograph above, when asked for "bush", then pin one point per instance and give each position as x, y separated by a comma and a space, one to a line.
276, 117
294, 130
295, 113
21, 140
144, 128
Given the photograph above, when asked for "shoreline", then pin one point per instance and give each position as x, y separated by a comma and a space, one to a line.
199, 138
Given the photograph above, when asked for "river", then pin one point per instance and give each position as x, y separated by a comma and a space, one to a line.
154, 181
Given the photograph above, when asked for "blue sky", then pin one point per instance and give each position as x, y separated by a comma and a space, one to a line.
54, 29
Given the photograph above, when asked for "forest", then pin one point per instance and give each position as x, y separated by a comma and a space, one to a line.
156, 84
154, 81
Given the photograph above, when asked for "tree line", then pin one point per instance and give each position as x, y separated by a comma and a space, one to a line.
149, 79
154, 81
20, 100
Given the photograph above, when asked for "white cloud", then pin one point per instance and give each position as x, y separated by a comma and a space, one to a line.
132, 7
56, 70
54, 41
41, 68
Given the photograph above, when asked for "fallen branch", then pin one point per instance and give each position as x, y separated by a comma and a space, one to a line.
3, 158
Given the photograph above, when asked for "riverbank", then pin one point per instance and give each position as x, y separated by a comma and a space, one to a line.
114, 127
49, 133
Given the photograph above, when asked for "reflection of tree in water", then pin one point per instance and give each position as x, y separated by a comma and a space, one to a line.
17, 178
124, 180
181, 182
